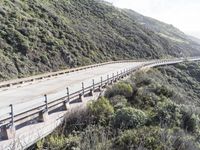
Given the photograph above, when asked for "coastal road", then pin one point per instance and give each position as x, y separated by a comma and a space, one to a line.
32, 94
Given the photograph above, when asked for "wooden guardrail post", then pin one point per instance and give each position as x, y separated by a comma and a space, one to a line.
8, 131
101, 81
92, 90
46, 102
82, 94
101, 84
121, 74
66, 102
83, 89
113, 76
12, 115
107, 83
68, 94
44, 114
93, 84
125, 72
81, 97
117, 75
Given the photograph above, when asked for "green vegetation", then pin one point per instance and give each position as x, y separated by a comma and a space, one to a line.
123, 89
157, 115
101, 110
128, 117
40, 36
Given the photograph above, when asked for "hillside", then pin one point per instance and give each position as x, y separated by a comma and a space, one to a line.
157, 26
197, 40
158, 109
168, 31
40, 36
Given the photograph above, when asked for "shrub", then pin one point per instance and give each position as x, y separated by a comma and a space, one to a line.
190, 121
164, 90
155, 138
121, 88
144, 99
76, 120
167, 114
143, 138
183, 141
57, 142
129, 117
143, 81
181, 66
101, 110
95, 137
44, 59
118, 101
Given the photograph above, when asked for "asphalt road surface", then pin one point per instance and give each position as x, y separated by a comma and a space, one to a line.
32, 94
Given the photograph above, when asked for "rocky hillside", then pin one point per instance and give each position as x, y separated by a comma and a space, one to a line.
41, 35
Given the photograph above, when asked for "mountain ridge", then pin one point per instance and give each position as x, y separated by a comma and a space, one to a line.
41, 36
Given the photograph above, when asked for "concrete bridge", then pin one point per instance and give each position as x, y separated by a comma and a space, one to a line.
31, 108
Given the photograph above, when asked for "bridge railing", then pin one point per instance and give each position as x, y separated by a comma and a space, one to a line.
14, 118
31, 79
18, 82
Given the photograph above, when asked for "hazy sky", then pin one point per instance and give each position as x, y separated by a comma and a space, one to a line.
183, 14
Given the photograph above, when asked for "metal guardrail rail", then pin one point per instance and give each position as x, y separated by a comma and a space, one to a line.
10, 83
7, 119
10, 120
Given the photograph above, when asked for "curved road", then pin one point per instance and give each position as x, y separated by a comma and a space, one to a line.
32, 94
55, 87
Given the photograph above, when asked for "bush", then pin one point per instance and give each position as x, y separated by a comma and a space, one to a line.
167, 114
183, 141
118, 101
95, 137
58, 142
144, 99
164, 90
129, 117
142, 79
155, 138
76, 120
121, 88
101, 110
190, 121
144, 138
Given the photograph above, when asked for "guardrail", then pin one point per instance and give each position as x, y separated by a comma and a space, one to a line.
10, 120
11, 83
7, 84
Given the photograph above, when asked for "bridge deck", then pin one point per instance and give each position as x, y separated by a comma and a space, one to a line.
30, 94
56, 86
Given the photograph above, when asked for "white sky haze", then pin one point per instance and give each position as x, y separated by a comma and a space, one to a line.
183, 14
